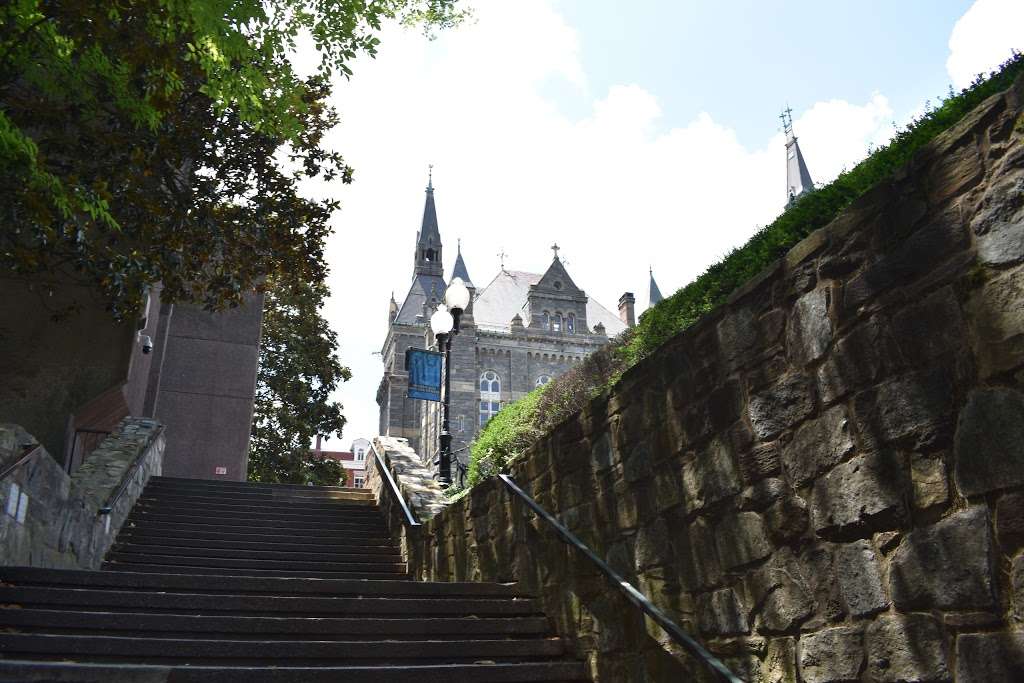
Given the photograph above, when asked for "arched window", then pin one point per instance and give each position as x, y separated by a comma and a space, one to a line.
545, 319
556, 323
570, 323
490, 396
542, 380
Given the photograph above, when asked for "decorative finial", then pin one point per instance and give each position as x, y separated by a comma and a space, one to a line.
787, 120
555, 248
430, 178
501, 257
458, 244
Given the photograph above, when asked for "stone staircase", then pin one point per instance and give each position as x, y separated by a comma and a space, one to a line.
223, 581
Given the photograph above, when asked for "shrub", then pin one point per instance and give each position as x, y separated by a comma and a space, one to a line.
520, 424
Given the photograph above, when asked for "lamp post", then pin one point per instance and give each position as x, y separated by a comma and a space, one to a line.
445, 325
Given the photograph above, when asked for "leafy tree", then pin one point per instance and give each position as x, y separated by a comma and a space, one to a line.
299, 368
138, 139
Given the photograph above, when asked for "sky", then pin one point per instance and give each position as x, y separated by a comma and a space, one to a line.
640, 134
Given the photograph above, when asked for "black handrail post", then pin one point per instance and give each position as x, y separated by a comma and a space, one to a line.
444, 465
718, 669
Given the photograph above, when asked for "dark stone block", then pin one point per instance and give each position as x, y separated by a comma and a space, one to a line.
858, 360
860, 578
989, 657
809, 331
931, 328
946, 566
760, 462
912, 410
858, 497
989, 451
741, 539
817, 446
721, 613
762, 494
1010, 521
905, 648
915, 256
782, 588
694, 546
787, 519
781, 406
834, 655
709, 477
637, 464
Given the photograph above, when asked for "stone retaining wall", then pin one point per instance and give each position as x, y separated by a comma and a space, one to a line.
824, 480
60, 525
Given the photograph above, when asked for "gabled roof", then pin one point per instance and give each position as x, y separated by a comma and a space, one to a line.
655, 294
460, 269
419, 294
556, 272
506, 295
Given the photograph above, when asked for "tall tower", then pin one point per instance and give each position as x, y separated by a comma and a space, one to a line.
428, 239
798, 178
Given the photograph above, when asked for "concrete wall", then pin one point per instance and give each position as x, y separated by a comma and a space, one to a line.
823, 480
207, 388
48, 519
60, 350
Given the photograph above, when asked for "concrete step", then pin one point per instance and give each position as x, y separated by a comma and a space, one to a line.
377, 565
255, 485
204, 532
80, 578
311, 553
151, 499
56, 620
206, 570
297, 605
519, 672
139, 516
257, 513
284, 492
270, 651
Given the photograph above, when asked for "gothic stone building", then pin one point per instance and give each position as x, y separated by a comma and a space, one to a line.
518, 332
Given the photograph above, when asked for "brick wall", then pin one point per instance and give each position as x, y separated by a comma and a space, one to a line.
824, 480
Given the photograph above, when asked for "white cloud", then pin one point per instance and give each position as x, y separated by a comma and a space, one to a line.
512, 172
983, 38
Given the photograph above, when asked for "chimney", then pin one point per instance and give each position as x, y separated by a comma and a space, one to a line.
626, 309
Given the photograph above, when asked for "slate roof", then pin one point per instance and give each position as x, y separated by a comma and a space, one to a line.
460, 269
419, 293
506, 296
655, 294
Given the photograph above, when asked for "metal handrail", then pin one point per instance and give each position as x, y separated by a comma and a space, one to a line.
410, 519
108, 507
720, 671
30, 452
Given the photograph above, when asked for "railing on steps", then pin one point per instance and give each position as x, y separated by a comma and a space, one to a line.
30, 452
385, 472
108, 506
716, 667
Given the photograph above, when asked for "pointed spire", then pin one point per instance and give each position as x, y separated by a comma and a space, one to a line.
798, 178
655, 293
428, 240
460, 267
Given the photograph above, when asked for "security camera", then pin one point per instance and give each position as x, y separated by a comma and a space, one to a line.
147, 344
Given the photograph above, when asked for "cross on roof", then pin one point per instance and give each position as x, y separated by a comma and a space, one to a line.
787, 120
555, 248
501, 257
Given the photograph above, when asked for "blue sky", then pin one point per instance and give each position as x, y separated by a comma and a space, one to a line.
742, 61
634, 133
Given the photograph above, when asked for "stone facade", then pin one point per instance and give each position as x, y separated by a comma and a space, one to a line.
824, 479
524, 328
48, 519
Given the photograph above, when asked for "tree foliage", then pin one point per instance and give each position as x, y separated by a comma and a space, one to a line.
506, 436
298, 370
139, 139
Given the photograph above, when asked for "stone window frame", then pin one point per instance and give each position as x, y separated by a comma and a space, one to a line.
545, 319
570, 323
490, 397
556, 322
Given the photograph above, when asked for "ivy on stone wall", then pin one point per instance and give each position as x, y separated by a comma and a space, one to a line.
516, 427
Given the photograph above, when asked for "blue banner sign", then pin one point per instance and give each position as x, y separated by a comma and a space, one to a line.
424, 374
